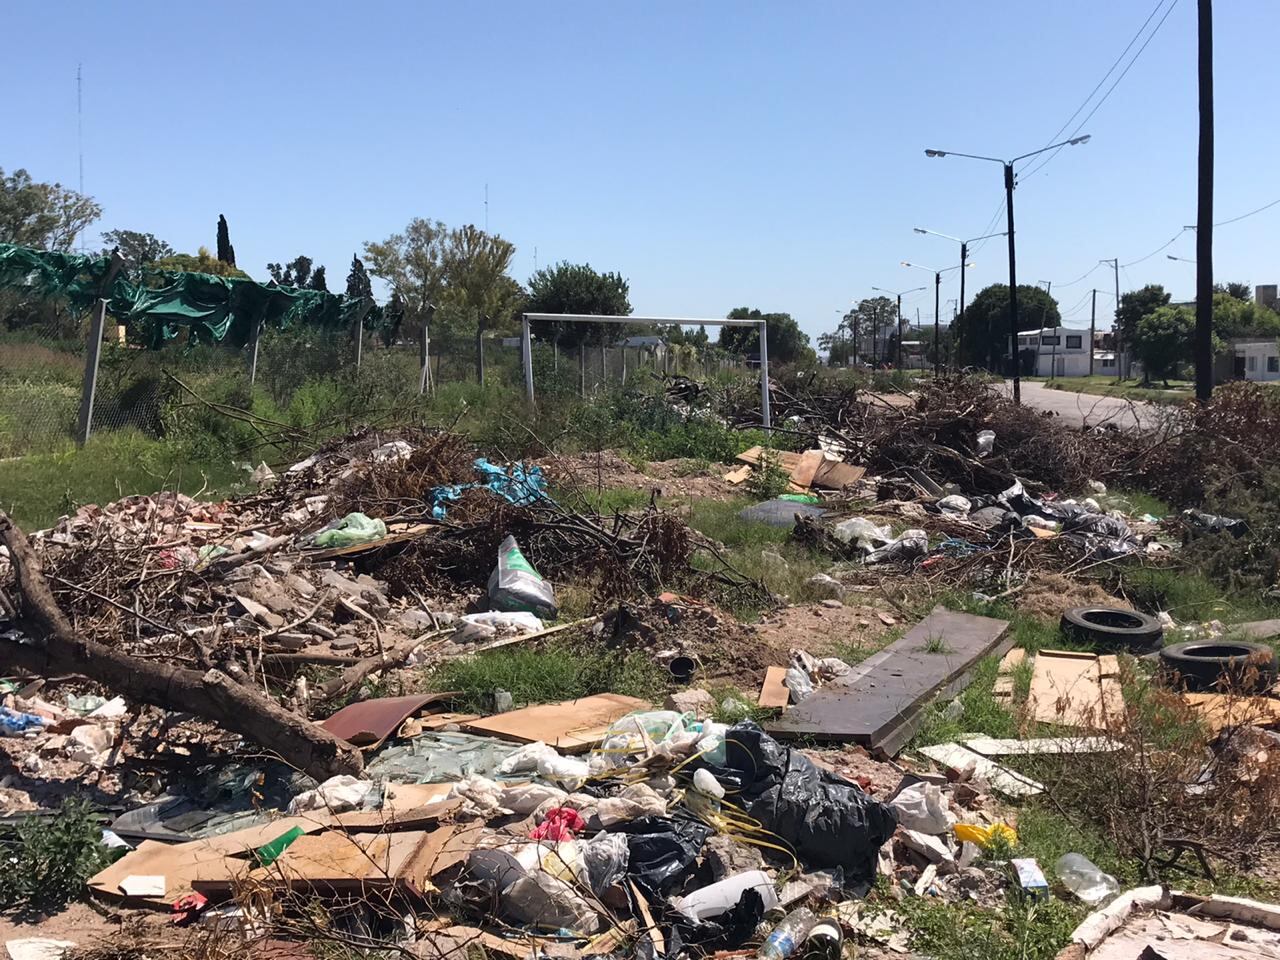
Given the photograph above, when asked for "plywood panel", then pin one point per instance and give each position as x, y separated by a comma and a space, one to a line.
773, 692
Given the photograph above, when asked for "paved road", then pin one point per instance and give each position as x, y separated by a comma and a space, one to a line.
1081, 409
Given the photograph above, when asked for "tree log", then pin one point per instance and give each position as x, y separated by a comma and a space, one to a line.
211, 695
351, 677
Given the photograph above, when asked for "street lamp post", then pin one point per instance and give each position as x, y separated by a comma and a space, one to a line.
899, 295
937, 287
964, 256
1013, 271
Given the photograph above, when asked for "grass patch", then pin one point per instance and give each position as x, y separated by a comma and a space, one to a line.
553, 673
1135, 503
1021, 930
605, 501
720, 521
741, 706
37, 489
1107, 386
1190, 596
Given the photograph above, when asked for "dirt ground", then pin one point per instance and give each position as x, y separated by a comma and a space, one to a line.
824, 631
670, 479
77, 922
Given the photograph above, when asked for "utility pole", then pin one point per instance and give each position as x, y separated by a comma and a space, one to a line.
1093, 319
1119, 332
1203, 344
1013, 284
899, 331
937, 312
959, 321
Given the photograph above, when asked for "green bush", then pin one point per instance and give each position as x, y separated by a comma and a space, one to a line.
50, 858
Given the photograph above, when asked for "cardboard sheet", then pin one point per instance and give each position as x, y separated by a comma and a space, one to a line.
571, 726
1070, 689
773, 692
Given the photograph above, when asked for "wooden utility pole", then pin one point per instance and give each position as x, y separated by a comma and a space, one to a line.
1204, 210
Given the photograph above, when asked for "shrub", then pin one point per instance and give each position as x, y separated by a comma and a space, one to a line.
50, 858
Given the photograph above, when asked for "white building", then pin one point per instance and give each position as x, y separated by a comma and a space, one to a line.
1255, 358
1060, 351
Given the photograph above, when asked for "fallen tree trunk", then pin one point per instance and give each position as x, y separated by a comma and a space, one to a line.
211, 695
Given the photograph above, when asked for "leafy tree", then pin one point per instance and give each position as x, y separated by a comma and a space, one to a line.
475, 265
983, 330
1233, 317
1163, 341
576, 288
412, 262
136, 249
839, 347
787, 343
202, 262
46, 216
1136, 304
1238, 291
359, 286
226, 252
299, 273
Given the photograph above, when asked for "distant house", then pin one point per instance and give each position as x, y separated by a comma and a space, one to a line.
1055, 352
1249, 358
655, 345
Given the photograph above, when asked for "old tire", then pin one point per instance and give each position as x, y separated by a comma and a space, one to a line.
1237, 666
1111, 628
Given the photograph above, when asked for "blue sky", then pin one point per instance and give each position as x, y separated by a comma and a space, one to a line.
717, 154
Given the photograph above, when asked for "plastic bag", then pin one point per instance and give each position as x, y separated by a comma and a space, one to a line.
921, 807
526, 759
985, 836
606, 856
633, 802
986, 442
15, 724
661, 851
827, 820
955, 505
337, 794
353, 529
528, 893
1079, 875
525, 798
798, 682
515, 585
560, 823
566, 770
481, 796
478, 627
912, 544
862, 532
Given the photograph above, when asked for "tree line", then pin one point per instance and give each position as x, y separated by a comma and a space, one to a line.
457, 278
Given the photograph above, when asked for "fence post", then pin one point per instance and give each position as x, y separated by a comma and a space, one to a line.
526, 350
253, 356
765, 414
424, 361
604, 369
624, 364
582, 369
360, 339
84, 422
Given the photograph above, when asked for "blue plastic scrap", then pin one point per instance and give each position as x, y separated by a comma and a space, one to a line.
518, 485
15, 724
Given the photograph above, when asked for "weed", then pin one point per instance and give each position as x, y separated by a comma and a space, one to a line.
936, 644
48, 859
694, 467
1022, 930
733, 705
768, 479
553, 673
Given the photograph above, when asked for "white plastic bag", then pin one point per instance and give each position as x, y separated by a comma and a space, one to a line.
986, 442
525, 798
526, 759
798, 682
922, 808
637, 800
337, 794
955, 505
606, 856
862, 531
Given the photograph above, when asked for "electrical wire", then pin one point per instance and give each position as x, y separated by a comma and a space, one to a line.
1159, 249
1242, 216
1151, 36
1079, 305
1072, 283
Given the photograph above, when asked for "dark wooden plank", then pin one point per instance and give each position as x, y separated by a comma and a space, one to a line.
879, 704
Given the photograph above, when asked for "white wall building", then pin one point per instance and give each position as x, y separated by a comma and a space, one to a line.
1060, 351
1255, 358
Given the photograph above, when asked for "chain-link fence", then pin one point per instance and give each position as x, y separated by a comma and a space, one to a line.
297, 374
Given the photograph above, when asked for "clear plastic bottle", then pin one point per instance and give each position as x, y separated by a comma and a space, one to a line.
787, 935
1084, 879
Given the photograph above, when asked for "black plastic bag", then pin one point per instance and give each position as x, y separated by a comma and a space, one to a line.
728, 931
1197, 522
827, 820
660, 851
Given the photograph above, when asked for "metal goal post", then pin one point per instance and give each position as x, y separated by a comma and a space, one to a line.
526, 343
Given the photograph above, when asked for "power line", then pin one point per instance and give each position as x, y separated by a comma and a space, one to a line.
1159, 249
1223, 223
1072, 283
1111, 89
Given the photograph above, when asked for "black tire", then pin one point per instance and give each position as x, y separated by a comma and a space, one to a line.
1111, 628
1220, 665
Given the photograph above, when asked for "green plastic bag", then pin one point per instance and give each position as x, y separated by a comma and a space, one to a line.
353, 529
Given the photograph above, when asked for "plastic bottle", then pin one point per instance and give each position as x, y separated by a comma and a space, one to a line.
787, 935
1084, 879
823, 941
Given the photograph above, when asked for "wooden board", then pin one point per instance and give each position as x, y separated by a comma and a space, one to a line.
570, 727
773, 692
1219, 711
1069, 689
810, 461
405, 806
739, 475
954, 757
880, 702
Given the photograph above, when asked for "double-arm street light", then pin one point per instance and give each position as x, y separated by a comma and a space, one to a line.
899, 295
1013, 271
964, 256
937, 287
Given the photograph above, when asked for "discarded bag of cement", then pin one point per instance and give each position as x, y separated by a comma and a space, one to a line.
515, 585
827, 820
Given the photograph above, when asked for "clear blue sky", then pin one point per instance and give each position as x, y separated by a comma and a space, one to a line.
716, 153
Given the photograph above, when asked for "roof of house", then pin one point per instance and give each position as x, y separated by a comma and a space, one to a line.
647, 341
